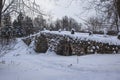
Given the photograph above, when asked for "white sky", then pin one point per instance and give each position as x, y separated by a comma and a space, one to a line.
63, 7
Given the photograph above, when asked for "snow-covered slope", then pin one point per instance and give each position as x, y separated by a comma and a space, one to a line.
21, 63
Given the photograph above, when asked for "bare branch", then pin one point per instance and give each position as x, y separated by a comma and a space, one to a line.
3, 3
8, 6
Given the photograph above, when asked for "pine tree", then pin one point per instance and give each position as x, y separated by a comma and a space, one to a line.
58, 25
28, 25
65, 23
18, 26
40, 22
7, 29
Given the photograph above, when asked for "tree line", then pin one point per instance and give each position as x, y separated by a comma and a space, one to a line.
24, 25
108, 15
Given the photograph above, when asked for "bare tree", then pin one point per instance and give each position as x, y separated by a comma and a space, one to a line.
94, 23
19, 6
4, 8
118, 6
109, 10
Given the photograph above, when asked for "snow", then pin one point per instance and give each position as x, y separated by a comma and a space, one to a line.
22, 63
112, 40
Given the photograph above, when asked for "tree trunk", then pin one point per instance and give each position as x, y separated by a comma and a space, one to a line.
0, 11
117, 13
118, 7
118, 10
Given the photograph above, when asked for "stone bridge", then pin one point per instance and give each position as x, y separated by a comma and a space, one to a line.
71, 44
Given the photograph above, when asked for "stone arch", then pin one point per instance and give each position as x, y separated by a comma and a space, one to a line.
41, 44
64, 48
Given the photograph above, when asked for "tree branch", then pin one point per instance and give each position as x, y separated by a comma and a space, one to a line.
3, 3
8, 6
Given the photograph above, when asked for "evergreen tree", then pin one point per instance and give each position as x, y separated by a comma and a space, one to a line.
23, 26
20, 29
51, 26
70, 23
58, 24
28, 25
6, 31
65, 23
40, 22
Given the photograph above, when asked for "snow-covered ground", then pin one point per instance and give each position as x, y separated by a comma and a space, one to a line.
22, 63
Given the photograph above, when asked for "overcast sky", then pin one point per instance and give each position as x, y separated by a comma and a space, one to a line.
65, 7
